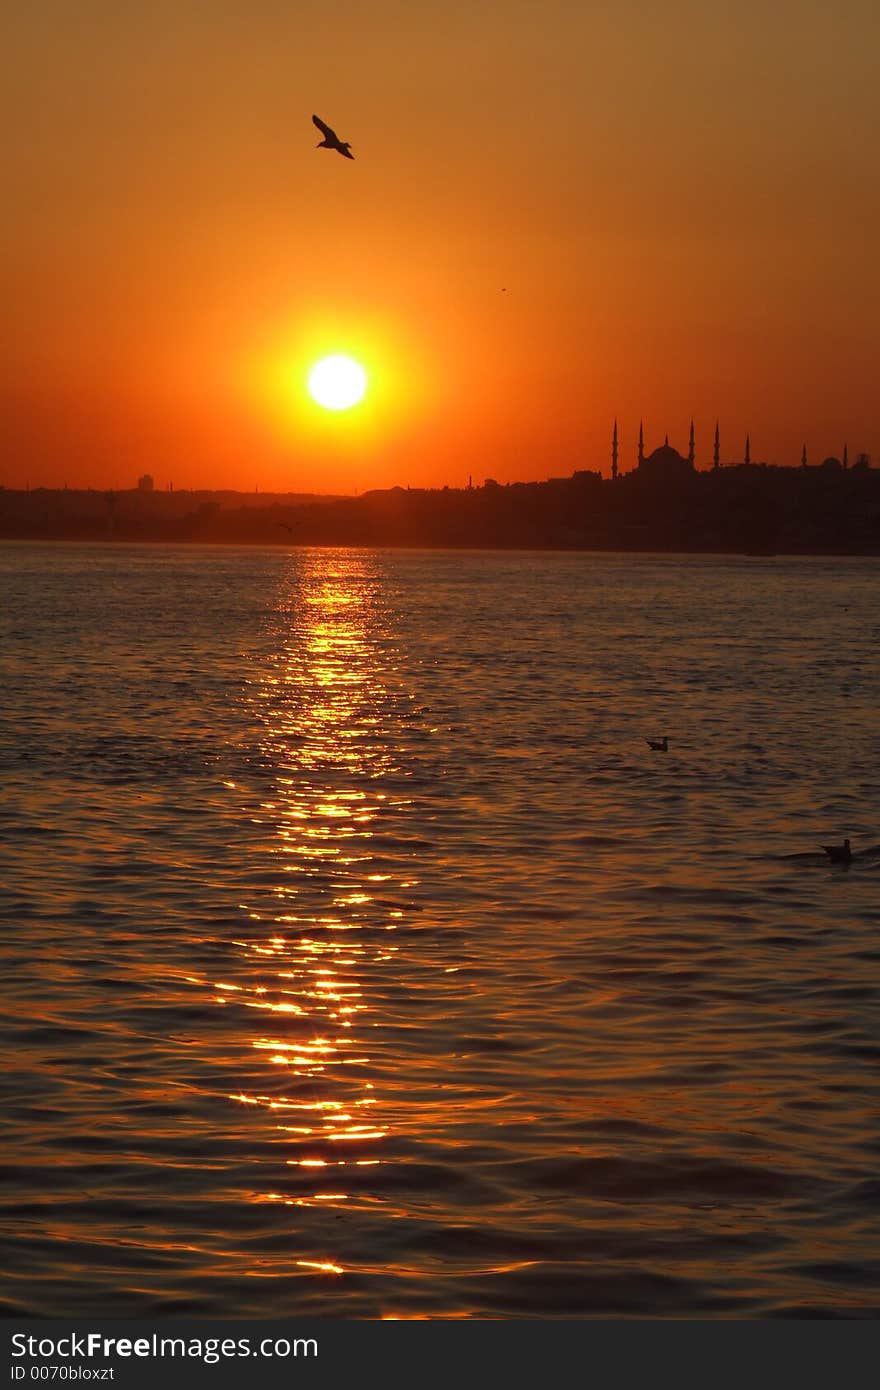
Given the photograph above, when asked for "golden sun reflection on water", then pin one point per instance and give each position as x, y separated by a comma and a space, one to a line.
318, 705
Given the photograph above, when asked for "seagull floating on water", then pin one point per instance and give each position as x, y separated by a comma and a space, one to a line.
659, 745
331, 140
839, 854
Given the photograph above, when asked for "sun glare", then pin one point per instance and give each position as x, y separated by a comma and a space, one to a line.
337, 383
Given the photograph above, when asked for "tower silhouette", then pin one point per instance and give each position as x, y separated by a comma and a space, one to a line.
691, 446
845, 457
748, 457
641, 443
804, 457
716, 453
614, 453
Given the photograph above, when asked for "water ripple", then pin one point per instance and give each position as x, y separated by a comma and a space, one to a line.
360, 959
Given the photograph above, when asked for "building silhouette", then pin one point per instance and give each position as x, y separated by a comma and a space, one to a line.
664, 464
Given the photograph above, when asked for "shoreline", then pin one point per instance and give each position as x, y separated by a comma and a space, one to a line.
514, 547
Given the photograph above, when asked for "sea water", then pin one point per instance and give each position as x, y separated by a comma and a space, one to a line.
360, 959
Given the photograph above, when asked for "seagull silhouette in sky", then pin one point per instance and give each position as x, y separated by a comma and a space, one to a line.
331, 140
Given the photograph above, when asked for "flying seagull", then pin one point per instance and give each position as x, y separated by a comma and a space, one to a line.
331, 140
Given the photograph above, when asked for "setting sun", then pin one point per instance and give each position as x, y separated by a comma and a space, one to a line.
337, 383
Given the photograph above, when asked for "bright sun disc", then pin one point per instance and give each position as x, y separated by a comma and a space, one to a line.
337, 383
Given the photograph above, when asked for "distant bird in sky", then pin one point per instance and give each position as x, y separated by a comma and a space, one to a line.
659, 745
331, 140
839, 854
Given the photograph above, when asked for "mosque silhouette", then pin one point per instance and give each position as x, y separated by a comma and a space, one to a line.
666, 464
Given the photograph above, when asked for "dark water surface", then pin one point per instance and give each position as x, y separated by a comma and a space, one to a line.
359, 959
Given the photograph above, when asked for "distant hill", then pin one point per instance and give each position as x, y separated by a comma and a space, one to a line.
751, 508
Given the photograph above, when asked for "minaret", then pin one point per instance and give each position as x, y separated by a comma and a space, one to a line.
748, 457
804, 457
716, 453
691, 446
641, 444
614, 453
845, 457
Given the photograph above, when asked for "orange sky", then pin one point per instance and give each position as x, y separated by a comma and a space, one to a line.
559, 211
